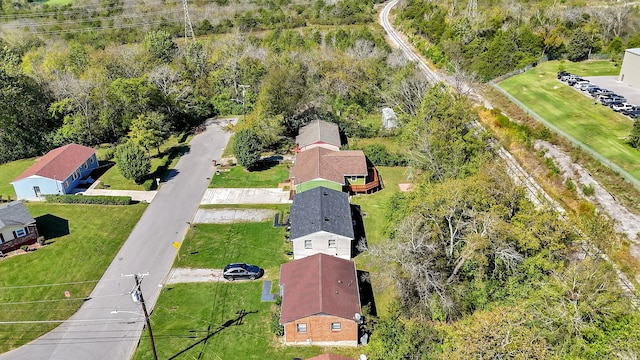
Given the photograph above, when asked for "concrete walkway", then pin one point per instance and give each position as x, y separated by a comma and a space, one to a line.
246, 196
229, 216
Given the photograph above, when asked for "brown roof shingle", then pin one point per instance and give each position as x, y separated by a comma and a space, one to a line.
319, 284
330, 165
59, 163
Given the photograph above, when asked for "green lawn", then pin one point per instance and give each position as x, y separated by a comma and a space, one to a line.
10, 171
238, 177
187, 321
584, 68
82, 242
375, 208
594, 125
216, 245
170, 153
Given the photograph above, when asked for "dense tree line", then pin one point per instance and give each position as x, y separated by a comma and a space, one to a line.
478, 270
493, 40
142, 92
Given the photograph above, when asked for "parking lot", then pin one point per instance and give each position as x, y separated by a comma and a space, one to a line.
611, 82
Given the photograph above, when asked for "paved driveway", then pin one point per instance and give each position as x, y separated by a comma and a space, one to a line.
245, 196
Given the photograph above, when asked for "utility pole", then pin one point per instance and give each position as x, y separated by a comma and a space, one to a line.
137, 295
244, 93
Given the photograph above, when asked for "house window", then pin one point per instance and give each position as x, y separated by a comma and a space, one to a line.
66, 184
354, 178
20, 233
336, 326
302, 328
85, 165
1, 238
307, 244
91, 160
332, 243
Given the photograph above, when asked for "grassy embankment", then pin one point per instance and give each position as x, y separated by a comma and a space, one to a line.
594, 125
82, 240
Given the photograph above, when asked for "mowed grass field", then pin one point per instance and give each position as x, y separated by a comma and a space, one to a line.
82, 241
594, 125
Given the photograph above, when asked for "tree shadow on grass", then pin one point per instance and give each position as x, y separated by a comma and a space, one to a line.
263, 165
366, 292
236, 321
51, 226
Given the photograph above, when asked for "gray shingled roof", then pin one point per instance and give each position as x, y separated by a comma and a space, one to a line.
318, 131
321, 209
15, 213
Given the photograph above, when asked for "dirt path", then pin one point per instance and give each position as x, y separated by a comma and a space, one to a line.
626, 222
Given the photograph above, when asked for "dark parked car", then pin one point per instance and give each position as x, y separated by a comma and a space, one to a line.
562, 73
242, 271
593, 90
574, 80
633, 108
634, 114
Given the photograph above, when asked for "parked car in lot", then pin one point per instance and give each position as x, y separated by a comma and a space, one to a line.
610, 101
621, 107
572, 81
603, 92
634, 114
633, 108
567, 77
242, 271
580, 84
593, 90
562, 73
588, 87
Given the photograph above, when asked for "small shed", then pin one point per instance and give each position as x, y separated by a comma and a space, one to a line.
389, 118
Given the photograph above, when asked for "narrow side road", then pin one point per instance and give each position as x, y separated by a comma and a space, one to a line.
94, 332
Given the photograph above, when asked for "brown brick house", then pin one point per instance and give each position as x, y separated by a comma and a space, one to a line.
320, 300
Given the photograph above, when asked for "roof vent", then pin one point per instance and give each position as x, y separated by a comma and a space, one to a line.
339, 281
326, 218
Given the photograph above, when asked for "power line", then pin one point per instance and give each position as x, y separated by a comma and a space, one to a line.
87, 20
84, 9
107, 27
55, 300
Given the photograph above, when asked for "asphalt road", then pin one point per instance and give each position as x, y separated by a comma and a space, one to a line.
94, 333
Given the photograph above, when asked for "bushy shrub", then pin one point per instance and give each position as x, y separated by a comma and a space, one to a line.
85, 199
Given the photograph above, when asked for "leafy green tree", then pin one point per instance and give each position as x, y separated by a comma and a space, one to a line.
580, 46
149, 130
283, 92
196, 59
25, 124
634, 137
247, 147
133, 161
441, 140
161, 46
615, 47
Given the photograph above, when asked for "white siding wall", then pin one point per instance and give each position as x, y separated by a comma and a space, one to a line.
630, 71
7, 232
320, 244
